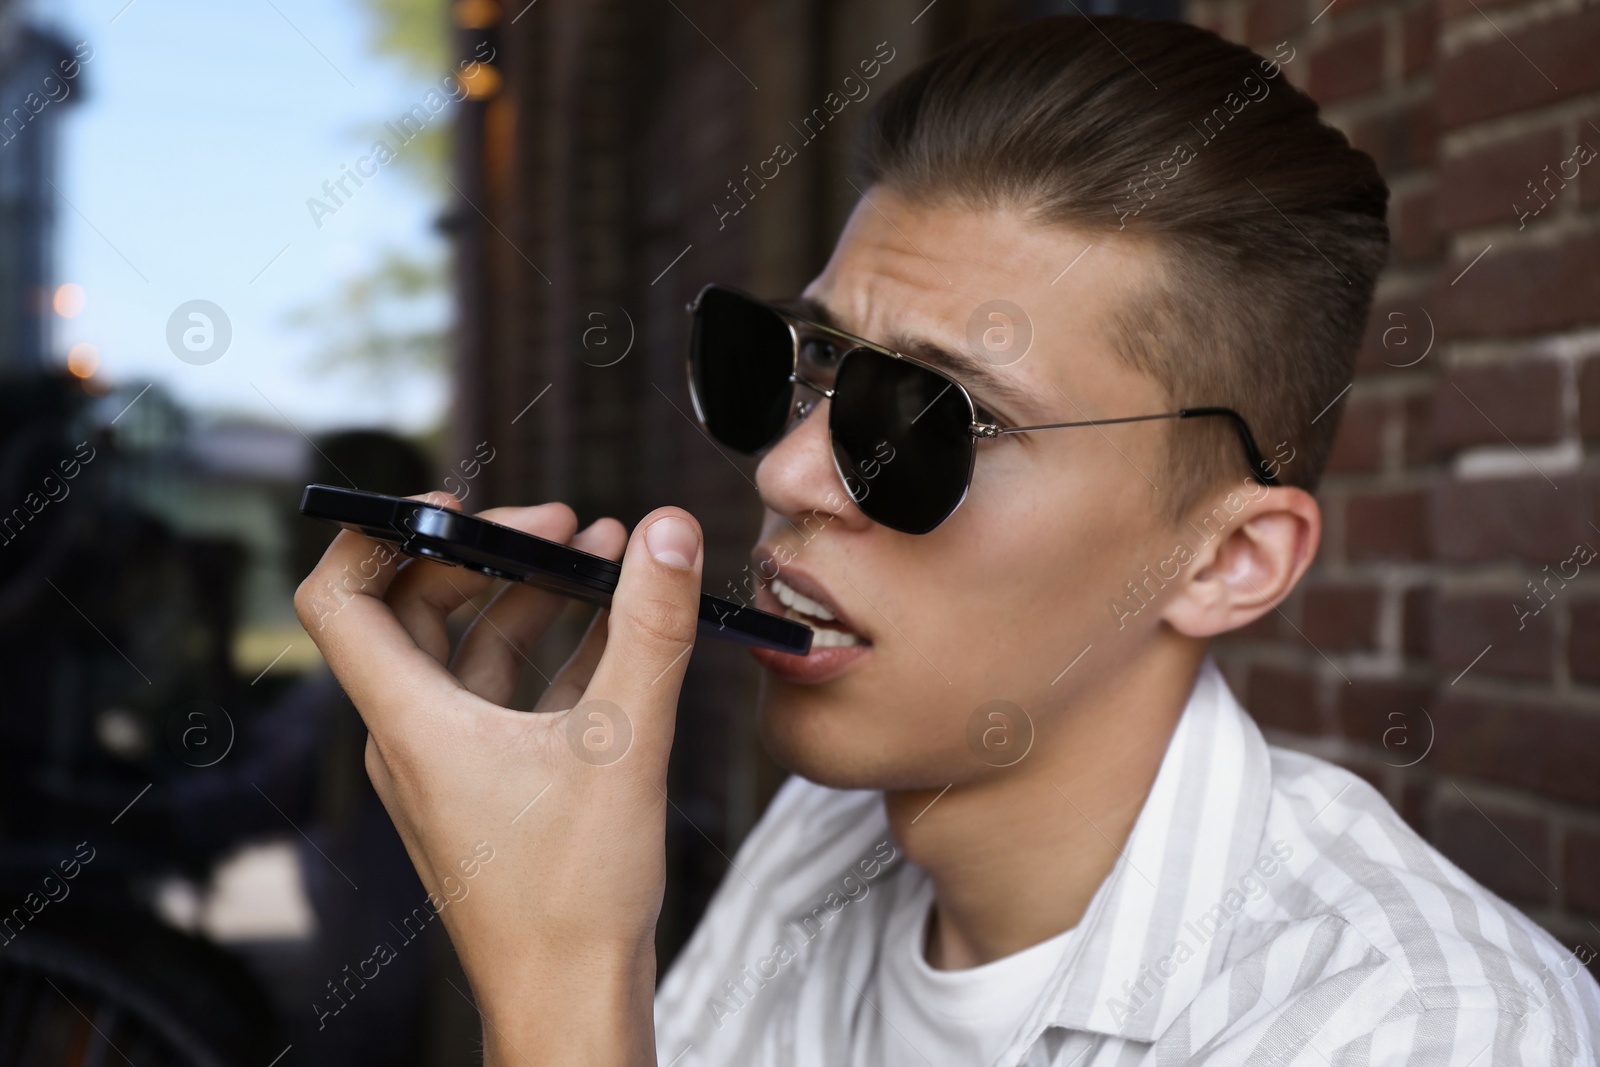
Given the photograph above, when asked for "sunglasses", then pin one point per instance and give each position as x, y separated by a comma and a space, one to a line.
903, 433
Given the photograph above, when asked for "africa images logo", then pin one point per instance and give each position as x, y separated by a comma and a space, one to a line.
199, 332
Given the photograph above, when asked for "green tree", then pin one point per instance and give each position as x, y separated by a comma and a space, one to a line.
376, 323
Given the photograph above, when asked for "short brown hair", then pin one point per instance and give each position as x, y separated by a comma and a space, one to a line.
1271, 226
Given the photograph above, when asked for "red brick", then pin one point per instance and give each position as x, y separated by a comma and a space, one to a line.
1413, 228
1589, 398
1235, 672
1371, 773
1507, 851
1339, 10
1419, 32
1530, 746
1518, 645
1349, 66
1589, 176
1417, 431
1490, 185
1340, 618
1399, 138
1271, 21
1416, 803
1522, 518
1553, 582
1391, 525
1583, 641
1396, 336
1285, 699
1488, 405
1450, 9
1582, 870
1265, 630
1416, 622
1387, 714
1492, 79
1540, 195
1517, 290
1209, 18
1359, 447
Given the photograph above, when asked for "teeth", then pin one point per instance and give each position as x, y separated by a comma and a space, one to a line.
802, 608
823, 638
803, 604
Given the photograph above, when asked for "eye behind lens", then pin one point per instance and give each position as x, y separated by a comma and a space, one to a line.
819, 353
901, 440
741, 355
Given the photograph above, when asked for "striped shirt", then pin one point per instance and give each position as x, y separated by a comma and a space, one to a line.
1269, 910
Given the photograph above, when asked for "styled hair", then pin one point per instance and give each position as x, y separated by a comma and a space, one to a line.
1270, 228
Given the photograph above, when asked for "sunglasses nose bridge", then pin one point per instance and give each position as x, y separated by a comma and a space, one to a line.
796, 378
805, 405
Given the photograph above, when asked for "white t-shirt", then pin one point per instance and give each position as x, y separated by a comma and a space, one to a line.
924, 1016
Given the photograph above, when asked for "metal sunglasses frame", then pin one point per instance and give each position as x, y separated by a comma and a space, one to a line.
849, 343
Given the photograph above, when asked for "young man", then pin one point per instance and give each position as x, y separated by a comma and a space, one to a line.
1028, 823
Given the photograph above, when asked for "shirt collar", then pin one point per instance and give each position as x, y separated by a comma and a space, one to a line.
1158, 927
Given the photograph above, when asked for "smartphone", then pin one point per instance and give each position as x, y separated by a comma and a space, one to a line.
450, 537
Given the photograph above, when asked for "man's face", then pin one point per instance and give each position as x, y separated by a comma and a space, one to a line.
1001, 598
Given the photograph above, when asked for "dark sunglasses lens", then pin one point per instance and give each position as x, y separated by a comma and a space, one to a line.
901, 437
740, 357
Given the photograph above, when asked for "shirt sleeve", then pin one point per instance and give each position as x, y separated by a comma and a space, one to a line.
1450, 1037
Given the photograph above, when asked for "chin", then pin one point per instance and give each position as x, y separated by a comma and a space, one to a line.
829, 743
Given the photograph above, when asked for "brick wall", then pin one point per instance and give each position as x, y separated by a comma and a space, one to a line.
1447, 644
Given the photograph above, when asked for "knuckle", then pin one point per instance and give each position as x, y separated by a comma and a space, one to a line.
391, 767
373, 761
380, 774
439, 498
307, 602
661, 620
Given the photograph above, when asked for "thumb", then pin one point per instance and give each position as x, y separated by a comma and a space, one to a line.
654, 613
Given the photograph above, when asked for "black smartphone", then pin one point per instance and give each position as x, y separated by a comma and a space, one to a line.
438, 533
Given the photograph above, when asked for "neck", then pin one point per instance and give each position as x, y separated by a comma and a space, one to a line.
1016, 856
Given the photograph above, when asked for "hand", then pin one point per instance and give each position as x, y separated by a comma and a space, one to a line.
556, 929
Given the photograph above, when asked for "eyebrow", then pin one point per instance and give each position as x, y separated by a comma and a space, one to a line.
976, 376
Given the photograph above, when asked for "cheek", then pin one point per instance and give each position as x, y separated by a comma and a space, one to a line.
1044, 543
992, 605
1032, 544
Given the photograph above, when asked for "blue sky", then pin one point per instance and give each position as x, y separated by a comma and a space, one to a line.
197, 133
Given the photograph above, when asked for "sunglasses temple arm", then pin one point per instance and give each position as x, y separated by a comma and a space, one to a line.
1260, 469
1090, 422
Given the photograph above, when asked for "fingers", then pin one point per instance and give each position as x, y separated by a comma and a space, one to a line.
496, 646
567, 687
380, 625
354, 565
424, 593
652, 624
376, 660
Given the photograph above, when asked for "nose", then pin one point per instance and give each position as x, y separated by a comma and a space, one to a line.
797, 478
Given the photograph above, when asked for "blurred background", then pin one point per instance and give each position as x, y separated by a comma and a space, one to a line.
412, 244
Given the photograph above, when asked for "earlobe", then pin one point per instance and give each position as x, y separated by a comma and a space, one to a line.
1251, 569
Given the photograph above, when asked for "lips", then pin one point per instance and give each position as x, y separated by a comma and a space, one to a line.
837, 643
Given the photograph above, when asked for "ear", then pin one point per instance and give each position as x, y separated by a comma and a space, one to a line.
1248, 567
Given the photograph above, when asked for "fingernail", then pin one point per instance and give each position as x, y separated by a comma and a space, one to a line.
672, 541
